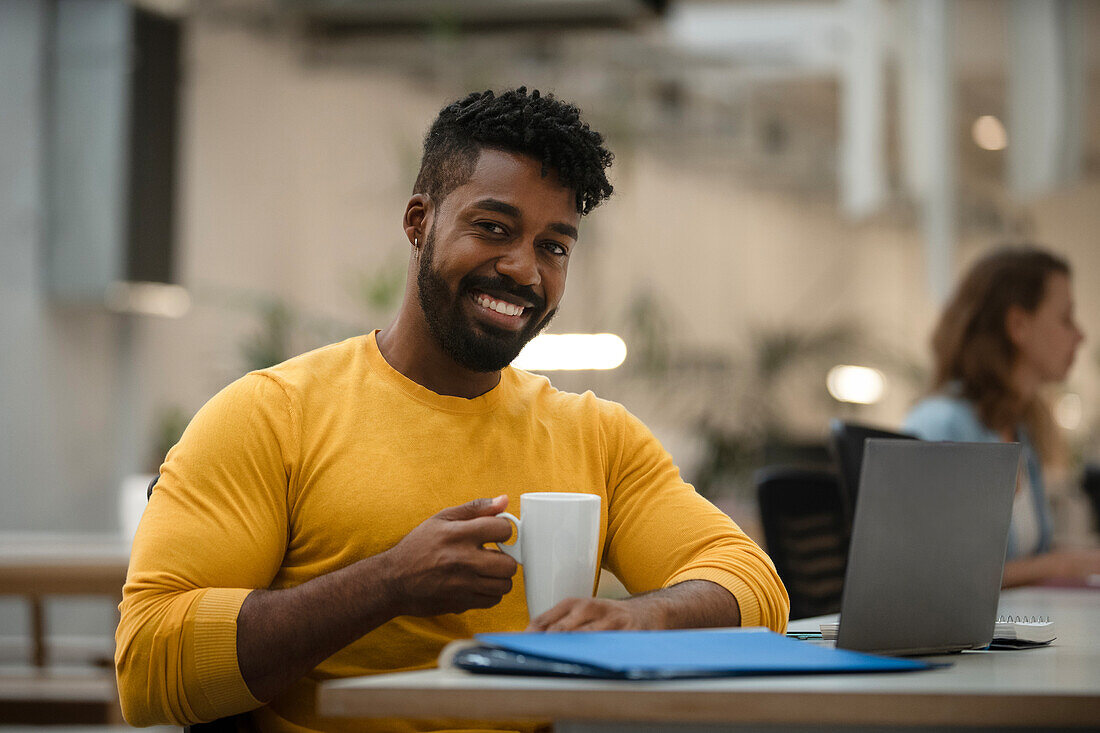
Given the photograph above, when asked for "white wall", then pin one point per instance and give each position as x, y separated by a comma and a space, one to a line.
295, 176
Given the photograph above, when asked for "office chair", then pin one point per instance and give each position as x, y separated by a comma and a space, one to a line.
806, 532
229, 724
846, 443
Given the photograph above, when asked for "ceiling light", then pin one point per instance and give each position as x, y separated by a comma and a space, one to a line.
1068, 411
857, 384
989, 133
148, 299
548, 352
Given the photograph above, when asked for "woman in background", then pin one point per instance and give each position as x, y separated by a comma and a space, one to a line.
1008, 330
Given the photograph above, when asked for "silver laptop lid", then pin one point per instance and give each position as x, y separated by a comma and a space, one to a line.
928, 546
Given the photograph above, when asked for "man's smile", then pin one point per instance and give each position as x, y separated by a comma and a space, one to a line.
500, 312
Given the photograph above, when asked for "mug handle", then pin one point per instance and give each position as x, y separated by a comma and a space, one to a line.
513, 549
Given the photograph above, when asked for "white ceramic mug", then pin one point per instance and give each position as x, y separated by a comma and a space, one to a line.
557, 542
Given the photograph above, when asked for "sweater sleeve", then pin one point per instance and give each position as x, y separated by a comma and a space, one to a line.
661, 532
215, 528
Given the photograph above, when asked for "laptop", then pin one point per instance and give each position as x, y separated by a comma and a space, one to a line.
928, 546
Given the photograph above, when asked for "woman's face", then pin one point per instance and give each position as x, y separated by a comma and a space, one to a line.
1047, 339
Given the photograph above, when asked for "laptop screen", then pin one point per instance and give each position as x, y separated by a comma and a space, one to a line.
928, 546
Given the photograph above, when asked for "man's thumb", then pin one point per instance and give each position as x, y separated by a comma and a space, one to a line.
483, 507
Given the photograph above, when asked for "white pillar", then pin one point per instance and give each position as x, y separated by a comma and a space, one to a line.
863, 119
1045, 95
928, 121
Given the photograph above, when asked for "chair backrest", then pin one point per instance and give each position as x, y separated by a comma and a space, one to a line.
806, 533
1090, 484
846, 442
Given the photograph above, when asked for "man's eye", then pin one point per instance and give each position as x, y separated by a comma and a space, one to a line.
492, 227
555, 249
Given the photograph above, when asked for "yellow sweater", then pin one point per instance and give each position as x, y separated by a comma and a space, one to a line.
333, 456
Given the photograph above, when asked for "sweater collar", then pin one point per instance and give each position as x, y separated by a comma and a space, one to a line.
420, 393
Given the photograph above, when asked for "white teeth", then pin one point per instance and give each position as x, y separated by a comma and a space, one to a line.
499, 306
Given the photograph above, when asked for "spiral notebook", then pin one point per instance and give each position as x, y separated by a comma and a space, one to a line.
1021, 632
1010, 632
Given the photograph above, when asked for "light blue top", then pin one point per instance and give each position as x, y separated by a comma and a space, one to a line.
944, 417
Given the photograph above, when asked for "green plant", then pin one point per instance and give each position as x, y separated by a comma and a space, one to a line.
169, 424
270, 343
740, 401
380, 290
648, 329
776, 352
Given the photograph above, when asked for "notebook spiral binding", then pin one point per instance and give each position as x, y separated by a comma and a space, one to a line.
1023, 619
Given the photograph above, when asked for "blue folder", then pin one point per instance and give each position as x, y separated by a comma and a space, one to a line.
675, 654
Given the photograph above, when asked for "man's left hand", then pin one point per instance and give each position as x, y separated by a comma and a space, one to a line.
599, 614
691, 604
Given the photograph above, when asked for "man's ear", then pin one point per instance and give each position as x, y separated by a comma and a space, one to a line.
415, 221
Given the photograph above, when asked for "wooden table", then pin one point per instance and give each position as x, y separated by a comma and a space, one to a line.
37, 565
1050, 687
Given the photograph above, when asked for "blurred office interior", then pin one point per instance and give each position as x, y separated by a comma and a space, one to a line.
190, 189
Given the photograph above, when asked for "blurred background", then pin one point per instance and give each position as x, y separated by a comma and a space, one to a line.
191, 189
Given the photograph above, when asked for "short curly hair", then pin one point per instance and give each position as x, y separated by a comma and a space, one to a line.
533, 124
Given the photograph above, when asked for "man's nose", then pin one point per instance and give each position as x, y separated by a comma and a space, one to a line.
520, 263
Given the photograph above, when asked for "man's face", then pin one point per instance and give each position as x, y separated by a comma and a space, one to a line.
493, 267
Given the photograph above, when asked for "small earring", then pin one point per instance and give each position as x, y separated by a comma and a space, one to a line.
416, 242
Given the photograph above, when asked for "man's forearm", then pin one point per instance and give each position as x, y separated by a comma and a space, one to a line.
283, 634
691, 604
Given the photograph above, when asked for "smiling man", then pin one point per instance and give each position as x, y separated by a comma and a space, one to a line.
329, 516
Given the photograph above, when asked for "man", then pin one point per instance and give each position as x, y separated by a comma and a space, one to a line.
328, 517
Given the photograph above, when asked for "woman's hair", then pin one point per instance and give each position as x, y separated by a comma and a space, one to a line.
971, 346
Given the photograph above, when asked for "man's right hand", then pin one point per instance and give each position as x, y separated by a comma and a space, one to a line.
442, 567
439, 567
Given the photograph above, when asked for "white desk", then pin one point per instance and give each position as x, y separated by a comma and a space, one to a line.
36, 565
1050, 687
48, 563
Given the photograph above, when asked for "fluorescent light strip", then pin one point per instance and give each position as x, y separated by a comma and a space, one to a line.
551, 352
148, 299
855, 384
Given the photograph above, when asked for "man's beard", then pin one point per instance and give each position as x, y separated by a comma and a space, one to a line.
478, 347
